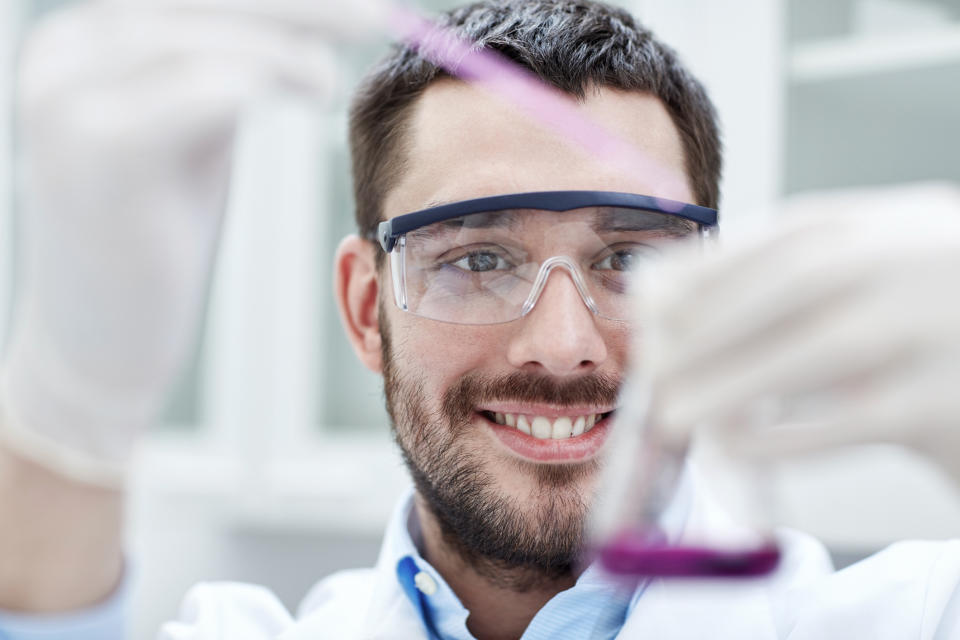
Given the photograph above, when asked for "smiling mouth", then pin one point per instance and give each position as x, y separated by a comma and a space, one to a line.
543, 428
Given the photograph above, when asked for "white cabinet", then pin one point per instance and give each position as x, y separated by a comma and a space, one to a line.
823, 93
878, 102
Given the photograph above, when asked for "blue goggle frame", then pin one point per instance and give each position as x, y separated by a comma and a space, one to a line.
389, 231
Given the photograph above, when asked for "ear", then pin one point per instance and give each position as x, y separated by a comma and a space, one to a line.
356, 287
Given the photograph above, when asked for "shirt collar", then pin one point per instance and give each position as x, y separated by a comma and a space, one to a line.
593, 608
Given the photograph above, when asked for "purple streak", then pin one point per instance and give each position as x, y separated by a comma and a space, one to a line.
544, 104
635, 555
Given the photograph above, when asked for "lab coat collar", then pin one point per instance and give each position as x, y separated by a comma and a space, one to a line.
593, 607
379, 609
402, 546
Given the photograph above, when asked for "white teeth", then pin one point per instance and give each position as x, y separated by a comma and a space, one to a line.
562, 428
578, 426
541, 428
546, 428
523, 425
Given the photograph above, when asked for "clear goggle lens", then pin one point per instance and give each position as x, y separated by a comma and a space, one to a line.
490, 267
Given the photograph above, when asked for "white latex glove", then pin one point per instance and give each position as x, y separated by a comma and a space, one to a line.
838, 325
127, 112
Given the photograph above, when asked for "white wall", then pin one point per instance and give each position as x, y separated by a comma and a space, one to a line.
735, 49
9, 21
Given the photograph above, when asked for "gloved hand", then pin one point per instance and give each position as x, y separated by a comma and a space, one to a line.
838, 325
127, 112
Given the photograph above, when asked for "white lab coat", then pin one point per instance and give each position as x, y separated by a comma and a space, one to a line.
909, 591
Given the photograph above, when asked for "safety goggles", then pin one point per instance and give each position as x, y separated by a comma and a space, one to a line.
486, 261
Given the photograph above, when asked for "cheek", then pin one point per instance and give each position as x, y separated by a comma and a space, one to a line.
442, 353
439, 354
618, 338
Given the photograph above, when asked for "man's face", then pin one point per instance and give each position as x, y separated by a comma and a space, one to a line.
504, 499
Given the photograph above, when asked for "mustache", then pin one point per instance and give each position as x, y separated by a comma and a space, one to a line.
460, 400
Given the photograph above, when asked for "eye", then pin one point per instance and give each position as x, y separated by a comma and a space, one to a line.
480, 261
625, 258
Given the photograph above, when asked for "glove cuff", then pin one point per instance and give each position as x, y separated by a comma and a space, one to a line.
54, 456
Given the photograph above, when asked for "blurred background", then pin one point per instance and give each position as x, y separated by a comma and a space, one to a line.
273, 462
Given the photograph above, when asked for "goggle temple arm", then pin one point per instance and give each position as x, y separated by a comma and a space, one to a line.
398, 272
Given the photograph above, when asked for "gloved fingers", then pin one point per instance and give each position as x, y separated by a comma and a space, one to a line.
174, 112
815, 353
704, 274
708, 306
770, 291
900, 302
915, 405
333, 21
851, 340
747, 305
808, 228
95, 53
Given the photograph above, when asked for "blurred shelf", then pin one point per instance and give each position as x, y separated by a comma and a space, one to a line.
874, 118
857, 56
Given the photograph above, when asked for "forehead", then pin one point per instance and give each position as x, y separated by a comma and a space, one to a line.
462, 143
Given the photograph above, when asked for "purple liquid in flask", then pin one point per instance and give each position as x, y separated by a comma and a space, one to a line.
635, 555
635, 525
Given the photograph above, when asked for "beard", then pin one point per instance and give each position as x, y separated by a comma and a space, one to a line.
513, 544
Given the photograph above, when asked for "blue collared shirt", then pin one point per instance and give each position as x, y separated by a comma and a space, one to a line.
595, 608
105, 621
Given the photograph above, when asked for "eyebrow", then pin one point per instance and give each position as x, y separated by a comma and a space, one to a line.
615, 219
505, 219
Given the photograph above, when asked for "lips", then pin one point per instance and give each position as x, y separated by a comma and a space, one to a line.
547, 428
556, 437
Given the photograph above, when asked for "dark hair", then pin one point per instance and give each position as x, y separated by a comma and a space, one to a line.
570, 44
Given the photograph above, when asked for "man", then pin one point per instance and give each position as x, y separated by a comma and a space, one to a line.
501, 328
501, 523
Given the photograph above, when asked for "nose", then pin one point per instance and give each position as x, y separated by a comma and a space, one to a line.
559, 336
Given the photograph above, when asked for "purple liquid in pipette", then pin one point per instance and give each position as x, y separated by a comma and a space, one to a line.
635, 555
